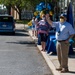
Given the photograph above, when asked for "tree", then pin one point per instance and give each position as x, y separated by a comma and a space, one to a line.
19, 5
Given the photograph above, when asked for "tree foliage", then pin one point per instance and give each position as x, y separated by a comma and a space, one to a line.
19, 5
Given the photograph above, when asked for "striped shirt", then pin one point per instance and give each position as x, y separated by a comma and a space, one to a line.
43, 27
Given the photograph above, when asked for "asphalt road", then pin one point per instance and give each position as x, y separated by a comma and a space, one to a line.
20, 56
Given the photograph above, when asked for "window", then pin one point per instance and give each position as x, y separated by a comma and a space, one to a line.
6, 19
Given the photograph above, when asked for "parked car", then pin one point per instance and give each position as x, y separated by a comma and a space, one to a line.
7, 24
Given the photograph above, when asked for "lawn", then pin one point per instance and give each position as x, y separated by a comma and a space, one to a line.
22, 21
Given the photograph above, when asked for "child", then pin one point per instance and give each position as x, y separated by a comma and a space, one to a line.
33, 27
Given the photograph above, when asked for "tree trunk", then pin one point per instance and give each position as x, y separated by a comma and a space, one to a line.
19, 14
9, 10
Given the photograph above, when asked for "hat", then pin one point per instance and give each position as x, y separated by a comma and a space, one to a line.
63, 15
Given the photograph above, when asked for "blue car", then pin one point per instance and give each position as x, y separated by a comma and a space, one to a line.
7, 24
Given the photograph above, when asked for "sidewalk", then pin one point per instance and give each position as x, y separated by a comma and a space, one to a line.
52, 60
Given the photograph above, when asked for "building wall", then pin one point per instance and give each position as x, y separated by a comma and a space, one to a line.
14, 14
24, 14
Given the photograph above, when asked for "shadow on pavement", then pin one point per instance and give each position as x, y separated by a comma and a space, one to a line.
28, 43
21, 30
72, 72
18, 32
72, 56
21, 34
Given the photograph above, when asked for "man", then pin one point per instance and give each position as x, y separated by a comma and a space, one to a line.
64, 32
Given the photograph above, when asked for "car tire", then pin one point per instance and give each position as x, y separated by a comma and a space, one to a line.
13, 33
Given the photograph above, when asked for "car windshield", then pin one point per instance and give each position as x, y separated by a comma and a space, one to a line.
6, 19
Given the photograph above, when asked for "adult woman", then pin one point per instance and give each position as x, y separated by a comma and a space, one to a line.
43, 28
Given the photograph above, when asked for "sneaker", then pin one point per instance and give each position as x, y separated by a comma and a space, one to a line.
64, 70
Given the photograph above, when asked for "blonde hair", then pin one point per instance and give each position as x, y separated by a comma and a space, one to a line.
43, 15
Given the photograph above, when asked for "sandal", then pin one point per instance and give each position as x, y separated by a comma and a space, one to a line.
42, 50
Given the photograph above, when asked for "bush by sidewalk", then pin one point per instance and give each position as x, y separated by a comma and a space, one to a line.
22, 21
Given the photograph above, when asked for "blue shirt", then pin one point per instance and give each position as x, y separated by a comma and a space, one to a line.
63, 30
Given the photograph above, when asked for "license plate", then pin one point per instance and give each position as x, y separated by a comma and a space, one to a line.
4, 25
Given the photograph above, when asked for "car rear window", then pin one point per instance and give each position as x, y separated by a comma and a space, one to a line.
6, 19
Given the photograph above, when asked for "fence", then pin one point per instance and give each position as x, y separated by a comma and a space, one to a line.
26, 15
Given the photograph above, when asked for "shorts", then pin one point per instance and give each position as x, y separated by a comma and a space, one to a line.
43, 37
34, 28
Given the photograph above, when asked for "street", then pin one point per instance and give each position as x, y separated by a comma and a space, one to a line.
20, 56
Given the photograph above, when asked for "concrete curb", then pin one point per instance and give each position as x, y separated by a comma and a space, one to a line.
47, 59
49, 62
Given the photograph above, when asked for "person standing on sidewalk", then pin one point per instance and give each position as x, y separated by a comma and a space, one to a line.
43, 29
36, 24
64, 32
34, 29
